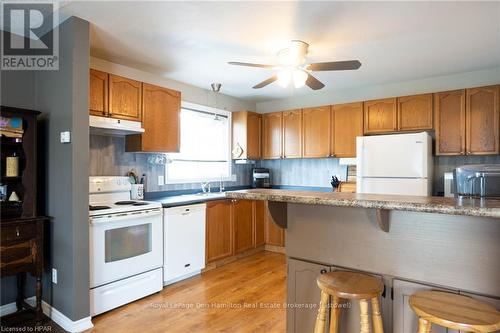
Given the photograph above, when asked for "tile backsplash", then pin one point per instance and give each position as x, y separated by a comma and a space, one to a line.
108, 158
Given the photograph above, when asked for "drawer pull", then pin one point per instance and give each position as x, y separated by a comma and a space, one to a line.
17, 231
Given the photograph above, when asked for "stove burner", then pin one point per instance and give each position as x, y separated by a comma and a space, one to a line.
139, 203
98, 207
125, 202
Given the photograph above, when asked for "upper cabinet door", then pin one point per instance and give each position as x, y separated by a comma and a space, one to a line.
254, 129
161, 119
98, 93
125, 96
347, 124
272, 133
380, 116
482, 113
292, 134
415, 113
316, 132
449, 122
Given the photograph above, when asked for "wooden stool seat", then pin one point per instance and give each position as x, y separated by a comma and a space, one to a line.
454, 311
349, 285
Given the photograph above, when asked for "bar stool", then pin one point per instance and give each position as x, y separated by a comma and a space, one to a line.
354, 286
453, 311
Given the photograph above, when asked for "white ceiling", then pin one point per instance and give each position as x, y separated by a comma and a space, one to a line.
192, 41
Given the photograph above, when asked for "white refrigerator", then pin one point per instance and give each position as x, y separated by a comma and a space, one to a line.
394, 164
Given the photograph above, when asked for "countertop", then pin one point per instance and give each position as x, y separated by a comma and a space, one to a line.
451, 206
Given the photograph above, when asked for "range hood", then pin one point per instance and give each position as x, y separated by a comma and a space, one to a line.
114, 127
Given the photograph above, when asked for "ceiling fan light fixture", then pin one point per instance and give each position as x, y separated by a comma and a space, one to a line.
299, 77
284, 77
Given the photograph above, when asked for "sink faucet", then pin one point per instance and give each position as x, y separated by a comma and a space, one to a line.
221, 185
205, 187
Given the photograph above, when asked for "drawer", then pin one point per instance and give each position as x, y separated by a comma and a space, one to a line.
18, 232
16, 255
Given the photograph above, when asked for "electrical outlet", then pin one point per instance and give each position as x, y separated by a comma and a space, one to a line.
161, 180
54, 276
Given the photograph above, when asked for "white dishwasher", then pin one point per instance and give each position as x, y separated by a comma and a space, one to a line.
184, 242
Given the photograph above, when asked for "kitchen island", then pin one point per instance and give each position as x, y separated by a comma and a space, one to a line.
410, 243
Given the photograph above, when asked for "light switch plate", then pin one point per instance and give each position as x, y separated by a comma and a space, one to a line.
161, 180
54, 276
65, 137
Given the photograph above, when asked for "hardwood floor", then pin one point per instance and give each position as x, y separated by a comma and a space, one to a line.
243, 296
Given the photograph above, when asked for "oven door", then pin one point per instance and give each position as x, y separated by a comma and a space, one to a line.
125, 244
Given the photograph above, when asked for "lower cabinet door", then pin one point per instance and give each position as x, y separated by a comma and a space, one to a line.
302, 292
404, 319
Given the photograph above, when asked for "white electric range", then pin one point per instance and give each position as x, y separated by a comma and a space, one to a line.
126, 245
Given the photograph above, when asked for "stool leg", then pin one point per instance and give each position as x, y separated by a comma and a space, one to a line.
334, 315
378, 327
365, 319
321, 318
424, 326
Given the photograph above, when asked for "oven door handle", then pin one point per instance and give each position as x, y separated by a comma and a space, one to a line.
101, 219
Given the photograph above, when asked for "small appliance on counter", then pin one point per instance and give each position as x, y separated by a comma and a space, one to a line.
477, 180
261, 178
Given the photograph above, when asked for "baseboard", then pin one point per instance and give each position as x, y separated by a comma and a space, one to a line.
56, 316
274, 248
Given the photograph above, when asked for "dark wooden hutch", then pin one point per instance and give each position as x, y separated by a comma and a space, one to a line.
21, 227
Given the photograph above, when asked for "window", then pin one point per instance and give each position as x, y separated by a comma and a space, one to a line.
205, 153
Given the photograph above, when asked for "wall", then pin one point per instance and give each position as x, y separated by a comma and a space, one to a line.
62, 97
433, 84
108, 158
189, 93
316, 172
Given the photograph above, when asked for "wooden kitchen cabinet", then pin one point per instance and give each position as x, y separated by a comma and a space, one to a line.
415, 112
449, 123
380, 116
161, 121
292, 134
404, 319
303, 289
243, 222
247, 128
482, 120
125, 97
219, 230
98, 93
347, 124
259, 215
272, 135
316, 132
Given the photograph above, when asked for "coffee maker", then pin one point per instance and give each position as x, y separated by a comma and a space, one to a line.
261, 178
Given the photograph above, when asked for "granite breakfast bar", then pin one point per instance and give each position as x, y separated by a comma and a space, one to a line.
411, 243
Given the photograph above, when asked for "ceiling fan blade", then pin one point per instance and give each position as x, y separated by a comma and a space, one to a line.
313, 82
266, 82
335, 65
248, 64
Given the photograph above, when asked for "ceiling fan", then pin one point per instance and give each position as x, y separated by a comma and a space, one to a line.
291, 67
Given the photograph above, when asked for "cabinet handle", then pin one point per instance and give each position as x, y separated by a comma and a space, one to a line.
323, 271
17, 231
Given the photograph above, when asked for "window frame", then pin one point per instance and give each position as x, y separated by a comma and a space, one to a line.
230, 176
